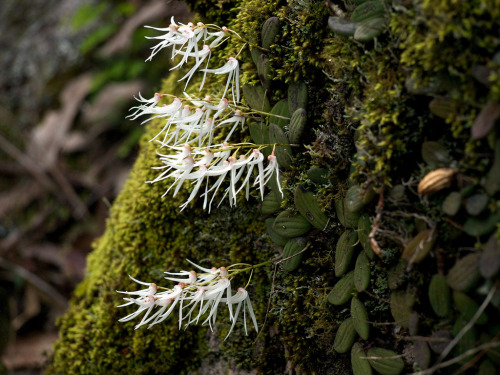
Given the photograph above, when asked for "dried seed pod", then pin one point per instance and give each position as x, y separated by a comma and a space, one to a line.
419, 247
436, 180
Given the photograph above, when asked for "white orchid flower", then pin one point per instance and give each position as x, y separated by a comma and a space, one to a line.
231, 68
147, 103
181, 174
263, 178
179, 166
192, 276
200, 58
176, 35
238, 118
258, 158
214, 295
241, 297
196, 301
166, 299
152, 109
221, 171
218, 36
151, 290
145, 304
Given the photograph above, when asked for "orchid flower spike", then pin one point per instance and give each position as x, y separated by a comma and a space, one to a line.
198, 294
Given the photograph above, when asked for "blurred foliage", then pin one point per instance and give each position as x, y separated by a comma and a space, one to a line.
87, 14
41, 230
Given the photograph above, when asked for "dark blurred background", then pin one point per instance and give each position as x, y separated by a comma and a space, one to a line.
69, 71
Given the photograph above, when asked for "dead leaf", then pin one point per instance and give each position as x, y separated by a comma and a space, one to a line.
482, 74
19, 196
110, 99
75, 141
27, 352
31, 305
485, 120
47, 138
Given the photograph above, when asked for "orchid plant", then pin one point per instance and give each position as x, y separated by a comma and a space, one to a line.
191, 123
188, 154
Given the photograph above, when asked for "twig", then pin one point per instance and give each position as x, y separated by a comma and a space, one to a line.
390, 357
79, 209
452, 361
26, 162
474, 360
294, 255
40, 284
469, 325
373, 242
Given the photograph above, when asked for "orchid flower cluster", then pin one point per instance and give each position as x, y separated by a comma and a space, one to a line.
197, 296
198, 165
191, 123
